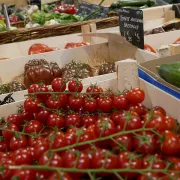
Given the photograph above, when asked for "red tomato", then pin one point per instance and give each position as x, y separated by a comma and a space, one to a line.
58, 142
171, 144
31, 105
175, 163
90, 105
58, 85
87, 120
33, 88
34, 141
122, 142
4, 145
129, 160
33, 126
75, 102
104, 159
136, 96
18, 142
104, 104
16, 119
24, 174
120, 102
76, 159
91, 129
56, 101
73, 120
148, 176
171, 123
131, 120
10, 127
44, 89
145, 142
75, 86
42, 116
63, 176
39, 48
22, 156
149, 48
94, 89
56, 121
140, 109
70, 138
160, 109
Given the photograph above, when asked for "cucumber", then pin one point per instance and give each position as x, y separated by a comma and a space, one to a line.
170, 73
131, 3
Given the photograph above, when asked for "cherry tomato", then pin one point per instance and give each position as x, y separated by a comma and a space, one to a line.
120, 102
31, 105
74, 45
91, 129
175, 163
42, 116
145, 142
94, 89
15, 119
122, 142
70, 138
59, 142
18, 142
22, 156
76, 159
148, 176
10, 127
90, 105
104, 159
42, 88
33, 126
34, 141
129, 160
75, 86
56, 121
14, 19
75, 102
73, 120
33, 88
171, 123
105, 104
4, 145
58, 85
149, 48
160, 109
87, 120
136, 96
24, 174
131, 120
171, 144
39, 48
63, 176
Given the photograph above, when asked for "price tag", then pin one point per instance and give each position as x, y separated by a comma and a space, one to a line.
36, 2
176, 8
131, 26
86, 8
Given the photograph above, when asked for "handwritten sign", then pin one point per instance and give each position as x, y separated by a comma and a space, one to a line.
8, 99
131, 26
36, 2
86, 8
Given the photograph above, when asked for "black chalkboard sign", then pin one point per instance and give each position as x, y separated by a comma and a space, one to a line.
131, 26
176, 8
8, 99
36, 2
86, 8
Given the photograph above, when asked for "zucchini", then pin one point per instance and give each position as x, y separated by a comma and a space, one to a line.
170, 73
131, 3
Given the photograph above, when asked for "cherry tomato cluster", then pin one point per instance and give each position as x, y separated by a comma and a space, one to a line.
66, 134
66, 8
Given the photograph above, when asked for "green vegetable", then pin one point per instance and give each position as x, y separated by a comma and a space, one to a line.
170, 73
2, 26
38, 17
131, 3
21, 17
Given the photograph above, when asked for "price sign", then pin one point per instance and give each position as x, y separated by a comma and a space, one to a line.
36, 2
131, 26
86, 8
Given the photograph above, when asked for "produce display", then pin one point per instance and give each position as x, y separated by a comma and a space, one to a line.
171, 73
97, 134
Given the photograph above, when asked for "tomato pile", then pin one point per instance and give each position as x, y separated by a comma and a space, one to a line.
67, 134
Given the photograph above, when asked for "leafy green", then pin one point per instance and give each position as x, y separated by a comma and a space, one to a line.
2, 26
38, 17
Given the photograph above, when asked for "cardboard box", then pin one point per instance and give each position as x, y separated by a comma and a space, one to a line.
150, 74
154, 96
